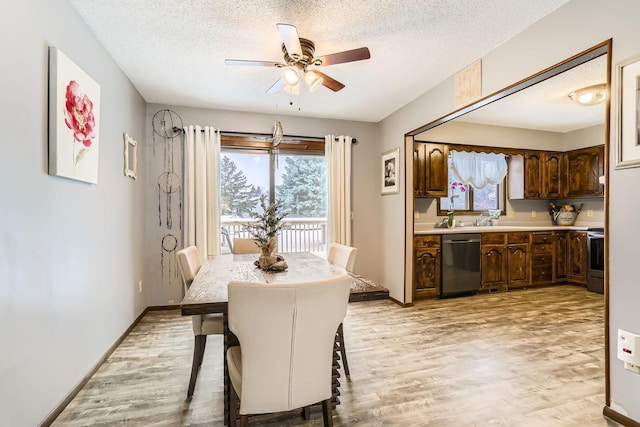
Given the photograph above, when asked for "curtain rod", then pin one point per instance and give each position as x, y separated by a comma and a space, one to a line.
318, 138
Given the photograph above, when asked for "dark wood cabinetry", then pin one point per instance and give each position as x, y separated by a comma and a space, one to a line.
553, 169
577, 257
560, 261
542, 249
430, 169
505, 260
426, 266
585, 167
532, 175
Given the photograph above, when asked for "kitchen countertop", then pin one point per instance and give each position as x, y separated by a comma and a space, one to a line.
498, 228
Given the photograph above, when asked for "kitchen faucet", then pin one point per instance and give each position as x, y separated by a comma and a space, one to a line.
481, 220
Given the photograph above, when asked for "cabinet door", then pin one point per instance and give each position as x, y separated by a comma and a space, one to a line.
437, 170
552, 173
561, 256
518, 265
494, 266
419, 171
426, 270
577, 257
584, 168
532, 177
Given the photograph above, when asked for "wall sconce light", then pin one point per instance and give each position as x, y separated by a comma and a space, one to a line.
589, 95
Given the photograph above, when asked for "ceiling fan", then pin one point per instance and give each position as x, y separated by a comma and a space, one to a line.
299, 61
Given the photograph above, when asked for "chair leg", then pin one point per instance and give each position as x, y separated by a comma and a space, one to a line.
199, 345
306, 413
343, 351
327, 414
243, 420
233, 406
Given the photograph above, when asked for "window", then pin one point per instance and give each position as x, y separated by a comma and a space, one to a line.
296, 175
471, 200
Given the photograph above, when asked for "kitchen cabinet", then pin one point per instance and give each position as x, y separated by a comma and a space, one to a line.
585, 166
427, 275
553, 169
532, 175
506, 260
577, 257
560, 261
542, 249
430, 169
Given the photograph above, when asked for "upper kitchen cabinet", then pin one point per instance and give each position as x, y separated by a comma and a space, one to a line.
537, 175
430, 169
585, 166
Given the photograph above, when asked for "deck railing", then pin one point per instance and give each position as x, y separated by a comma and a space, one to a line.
297, 234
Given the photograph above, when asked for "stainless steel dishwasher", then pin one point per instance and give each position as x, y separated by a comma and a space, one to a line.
460, 264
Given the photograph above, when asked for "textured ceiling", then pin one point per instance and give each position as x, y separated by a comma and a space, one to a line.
173, 51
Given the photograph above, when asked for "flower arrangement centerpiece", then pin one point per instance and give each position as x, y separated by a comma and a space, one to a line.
265, 230
462, 188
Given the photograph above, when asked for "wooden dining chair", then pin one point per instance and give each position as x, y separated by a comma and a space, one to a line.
189, 263
286, 334
344, 256
245, 246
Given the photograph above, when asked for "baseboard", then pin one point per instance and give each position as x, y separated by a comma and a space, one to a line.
619, 418
76, 389
401, 304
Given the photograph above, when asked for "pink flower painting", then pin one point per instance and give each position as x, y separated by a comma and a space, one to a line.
78, 114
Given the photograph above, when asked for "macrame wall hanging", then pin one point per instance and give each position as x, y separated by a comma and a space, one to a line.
167, 132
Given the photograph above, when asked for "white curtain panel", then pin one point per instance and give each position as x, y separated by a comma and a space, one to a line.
479, 169
202, 189
338, 156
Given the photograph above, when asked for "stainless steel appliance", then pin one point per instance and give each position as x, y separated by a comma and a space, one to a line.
460, 264
595, 263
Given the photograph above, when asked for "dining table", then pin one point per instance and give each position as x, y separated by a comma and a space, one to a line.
209, 292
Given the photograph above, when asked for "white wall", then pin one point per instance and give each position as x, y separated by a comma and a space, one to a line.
365, 183
70, 253
571, 29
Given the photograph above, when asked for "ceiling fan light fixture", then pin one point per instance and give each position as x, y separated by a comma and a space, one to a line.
589, 95
290, 76
293, 89
313, 80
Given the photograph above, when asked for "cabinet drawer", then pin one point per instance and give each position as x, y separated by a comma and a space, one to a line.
538, 248
522, 237
493, 238
543, 237
541, 259
432, 241
541, 273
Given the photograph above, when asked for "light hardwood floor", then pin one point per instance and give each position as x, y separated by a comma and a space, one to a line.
523, 358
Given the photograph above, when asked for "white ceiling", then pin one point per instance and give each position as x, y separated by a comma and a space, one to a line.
173, 51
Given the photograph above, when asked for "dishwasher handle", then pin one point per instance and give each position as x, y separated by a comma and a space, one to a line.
461, 241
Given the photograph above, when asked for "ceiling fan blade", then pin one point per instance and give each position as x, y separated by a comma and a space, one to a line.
252, 63
346, 56
277, 86
289, 34
327, 81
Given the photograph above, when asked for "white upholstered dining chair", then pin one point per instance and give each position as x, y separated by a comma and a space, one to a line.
189, 263
286, 334
245, 246
344, 256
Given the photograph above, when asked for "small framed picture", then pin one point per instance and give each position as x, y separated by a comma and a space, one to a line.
628, 92
390, 181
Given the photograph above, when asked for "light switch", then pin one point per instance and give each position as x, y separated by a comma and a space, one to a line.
629, 350
590, 213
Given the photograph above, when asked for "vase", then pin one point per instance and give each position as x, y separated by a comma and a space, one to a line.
266, 261
451, 223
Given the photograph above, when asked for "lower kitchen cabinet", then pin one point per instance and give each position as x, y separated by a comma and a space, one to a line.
505, 260
542, 249
560, 261
518, 259
577, 257
427, 275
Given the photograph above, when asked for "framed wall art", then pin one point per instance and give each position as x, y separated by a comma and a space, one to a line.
390, 182
130, 157
628, 113
74, 116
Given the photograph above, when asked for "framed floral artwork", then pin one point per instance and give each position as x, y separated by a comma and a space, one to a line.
74, 116
390, 184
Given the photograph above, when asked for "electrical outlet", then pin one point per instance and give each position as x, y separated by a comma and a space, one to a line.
510, 214
416, 214
590, 213
171, 301
533, 213
139, 286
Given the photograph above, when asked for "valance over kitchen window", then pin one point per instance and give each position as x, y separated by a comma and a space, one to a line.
478, 169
